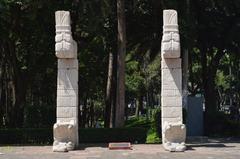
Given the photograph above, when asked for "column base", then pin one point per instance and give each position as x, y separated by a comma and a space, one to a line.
65, 136
174, 136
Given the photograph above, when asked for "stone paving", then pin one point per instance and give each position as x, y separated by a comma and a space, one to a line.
213, 149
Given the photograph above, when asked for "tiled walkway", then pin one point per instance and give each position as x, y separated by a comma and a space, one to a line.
214, 149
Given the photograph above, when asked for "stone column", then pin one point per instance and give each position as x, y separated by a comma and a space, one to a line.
173, 130
65, 130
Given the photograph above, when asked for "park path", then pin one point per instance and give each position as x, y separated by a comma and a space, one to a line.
213, 149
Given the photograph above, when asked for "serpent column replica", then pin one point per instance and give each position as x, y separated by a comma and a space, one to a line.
173, 129
65, 130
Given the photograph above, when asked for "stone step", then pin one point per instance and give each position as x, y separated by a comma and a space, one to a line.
120, 146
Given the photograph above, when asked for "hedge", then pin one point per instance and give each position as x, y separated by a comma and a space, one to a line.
87, 135
26, 136
93, 135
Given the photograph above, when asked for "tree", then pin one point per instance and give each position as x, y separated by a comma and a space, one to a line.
120, 99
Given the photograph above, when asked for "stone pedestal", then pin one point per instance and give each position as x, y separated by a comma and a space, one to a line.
65, 130
173, 130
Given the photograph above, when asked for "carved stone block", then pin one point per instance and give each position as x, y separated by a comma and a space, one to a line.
66, 112
170, 101
67, 63
171, 40
174, 136
65, 136
67, 92
173, 63
70, 101
172, 112
65, 46
67, 79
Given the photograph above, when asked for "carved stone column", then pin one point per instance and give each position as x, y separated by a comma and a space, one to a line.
65, 130
173, 130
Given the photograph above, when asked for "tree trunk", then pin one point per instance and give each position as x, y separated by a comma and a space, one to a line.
210, 103
139, 105
18, 85
114, 92
210, 93
137, 108
108, 100
91, 114
120, 104
84, 113
1, 91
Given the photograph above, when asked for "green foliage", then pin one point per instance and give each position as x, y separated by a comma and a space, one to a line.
153, 126
39, 116
222, 80
157, 123
134, 79
153, 137
155, 131
138, 122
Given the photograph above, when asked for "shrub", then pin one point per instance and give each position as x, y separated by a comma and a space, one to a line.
26, 136
39, 116
153, 137
138, 122
157, 124
88, 135
223, 126
103, 135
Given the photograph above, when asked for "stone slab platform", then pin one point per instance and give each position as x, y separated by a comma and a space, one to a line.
120, 146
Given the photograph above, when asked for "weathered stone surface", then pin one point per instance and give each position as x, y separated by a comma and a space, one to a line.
70, 101
67, 63
173, 131
174, 136
172, 112
172, 79
66, 129
172, 75
65, 136
67, 79
171, 93
66, 112
171, 40
65, 46
170, 101
60, 147
67, 92
172, 120
171, 63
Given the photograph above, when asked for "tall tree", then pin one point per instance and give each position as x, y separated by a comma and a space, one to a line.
120, 105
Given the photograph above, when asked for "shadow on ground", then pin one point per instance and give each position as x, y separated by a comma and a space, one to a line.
83, 146
214, 143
